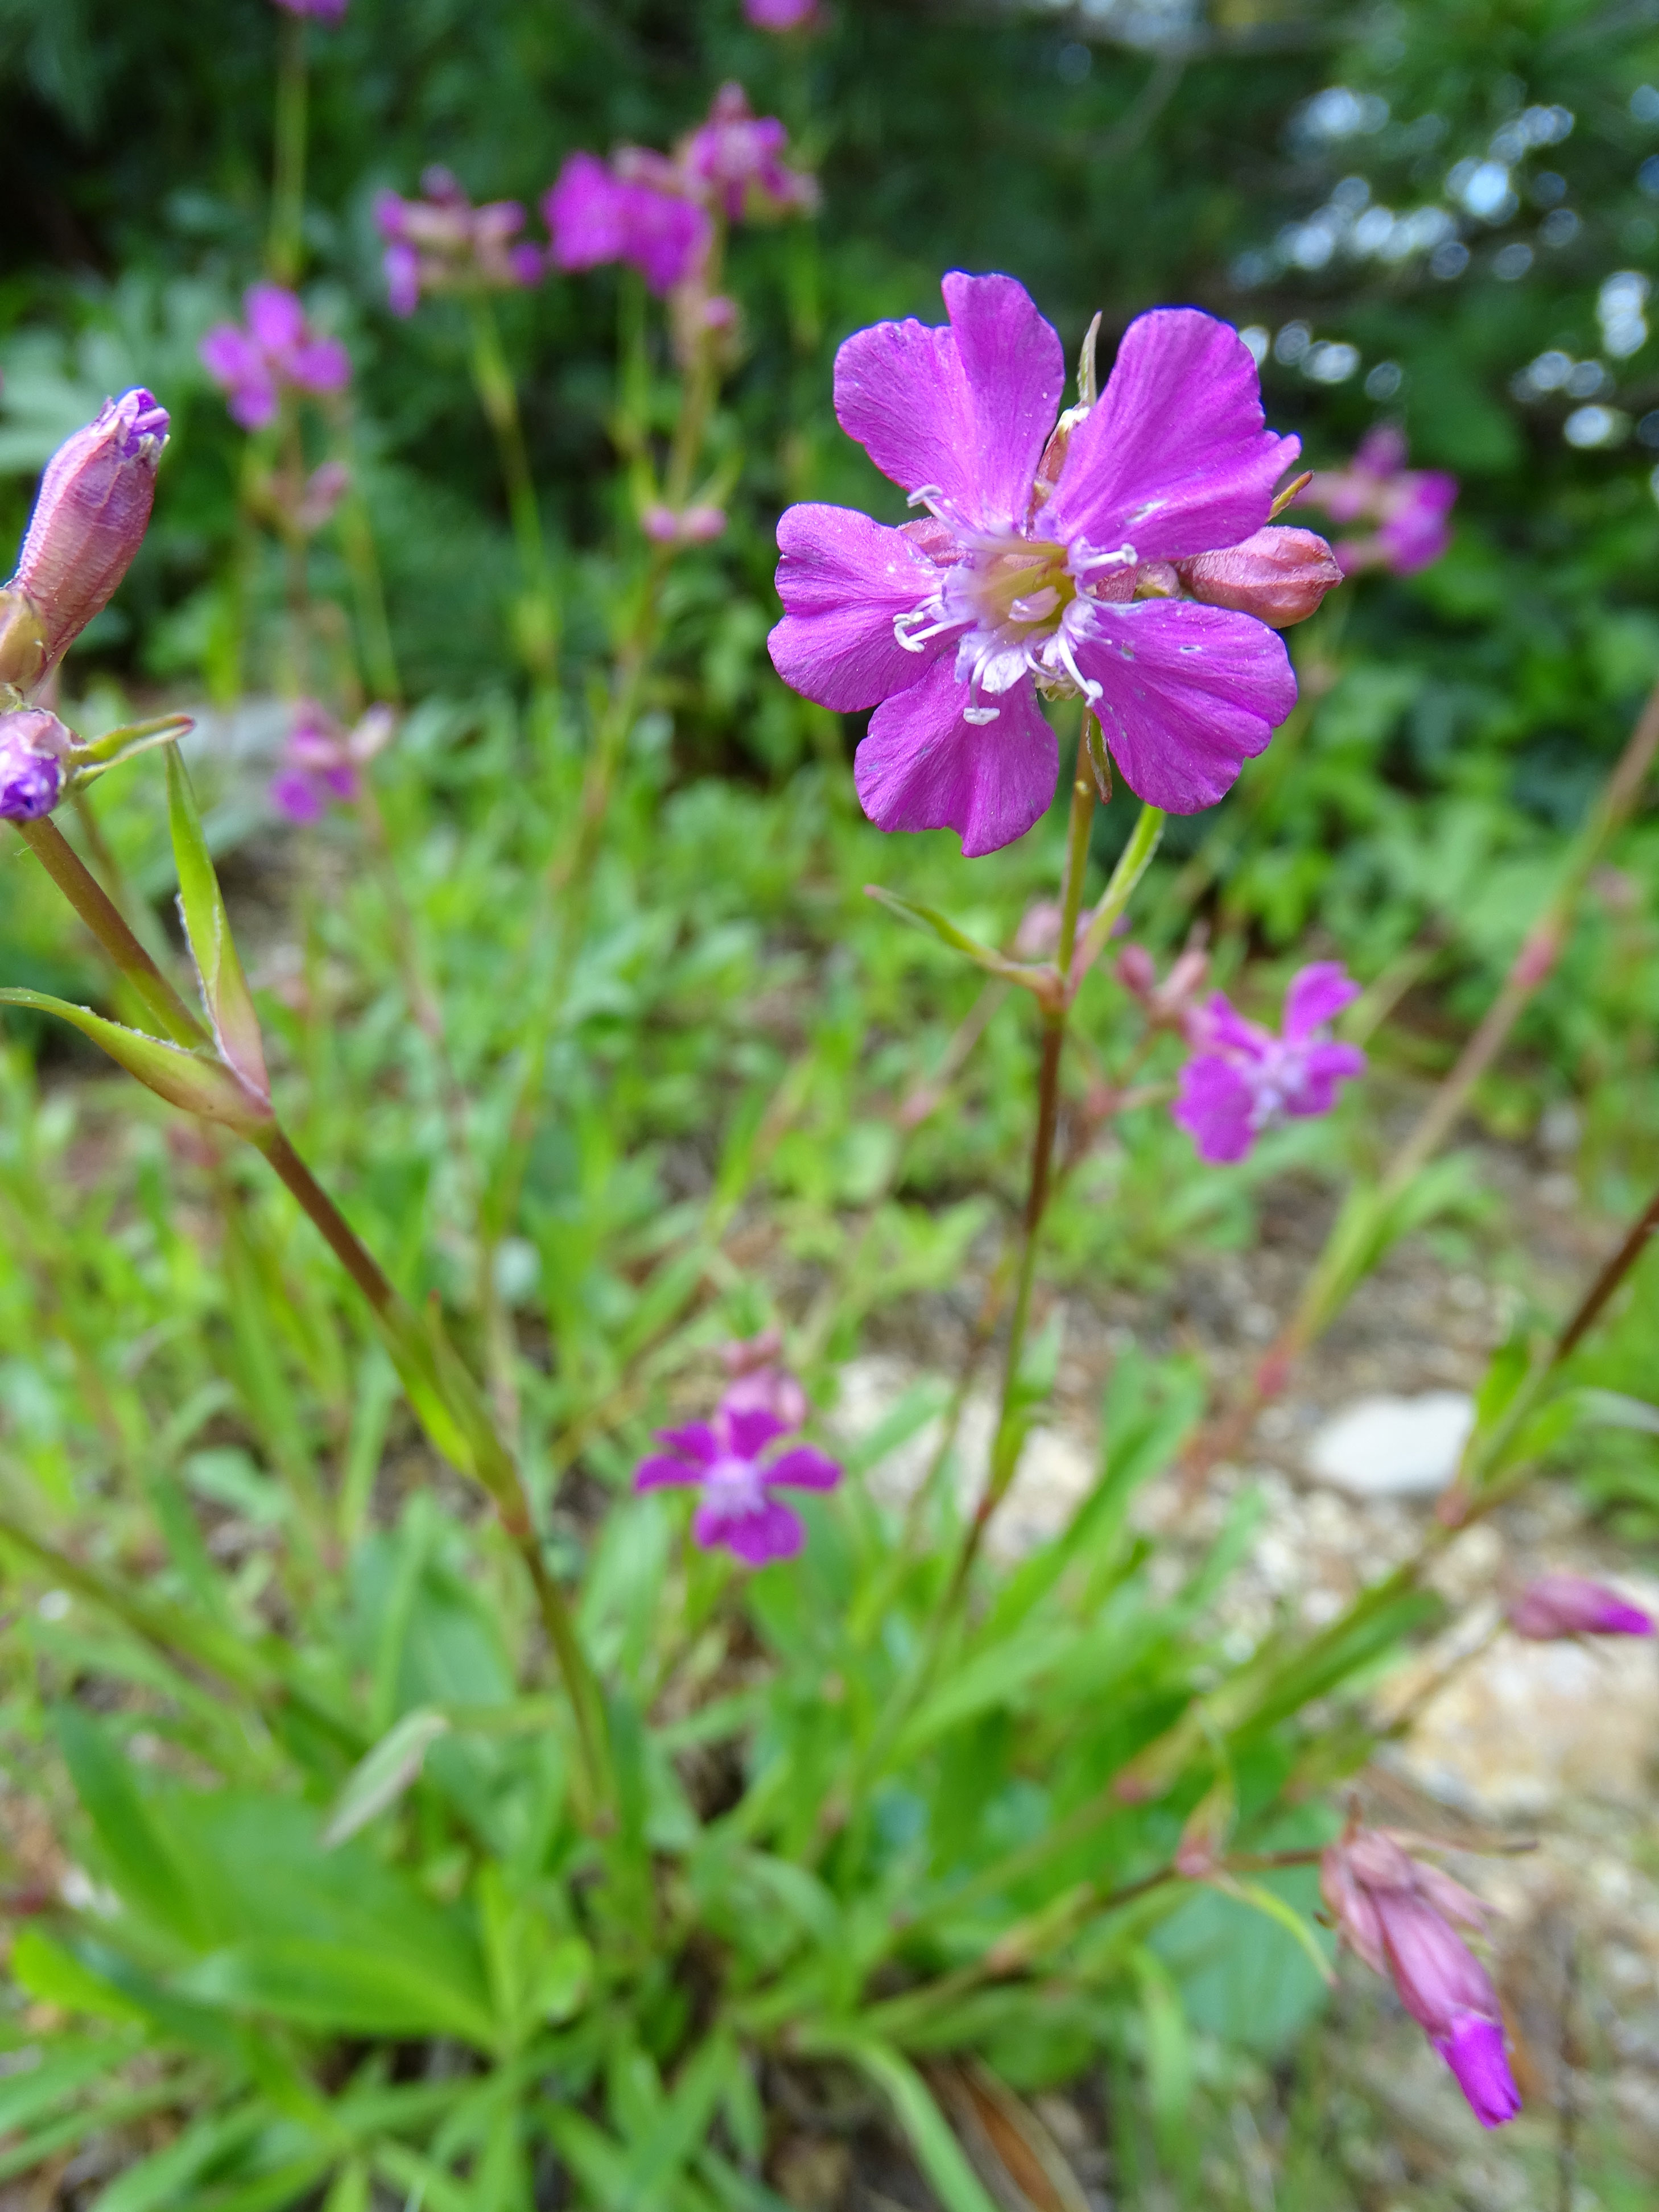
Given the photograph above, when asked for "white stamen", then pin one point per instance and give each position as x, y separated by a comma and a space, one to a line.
914, 640
980, 715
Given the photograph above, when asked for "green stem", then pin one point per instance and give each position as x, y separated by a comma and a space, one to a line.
101, 916
286, 251
374, 631
498, 396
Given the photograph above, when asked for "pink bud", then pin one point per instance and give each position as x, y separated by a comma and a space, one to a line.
1279, 576
1567, 1605
32, 746
699, 525
90, 516
660, 524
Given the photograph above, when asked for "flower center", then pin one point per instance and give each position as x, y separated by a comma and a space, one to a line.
734, 1485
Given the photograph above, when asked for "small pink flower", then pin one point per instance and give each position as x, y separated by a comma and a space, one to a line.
33, 747
1242, 1080
1408, 506
596, 216
693, 526
1396, 1913
727, 1459
321, 763
736, 161
1567, 1605
325, 12
442, 243
781, 15
1046, 565
758, 1381
275, 352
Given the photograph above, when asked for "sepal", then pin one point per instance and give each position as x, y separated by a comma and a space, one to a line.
225, 993
189, 1080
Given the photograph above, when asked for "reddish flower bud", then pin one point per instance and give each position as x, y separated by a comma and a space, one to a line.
1279, 576
32, 746
90, 516
1566, 1605
1396, 1913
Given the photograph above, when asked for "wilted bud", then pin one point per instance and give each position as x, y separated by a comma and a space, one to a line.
759, 1384
90, 516
22, 642
1567, 1605
1279, 576
1168, 1003
33, 747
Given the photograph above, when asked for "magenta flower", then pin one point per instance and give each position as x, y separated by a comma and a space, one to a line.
1048, 562
1567, 1605
1408, 506
725, 1459
596, 216
1242, 1080
691, 526
442, 243
321, 762
1397, 1913
735, 161
278, 352
325, 12
781, 14
32, 747
90, 515
760, 1382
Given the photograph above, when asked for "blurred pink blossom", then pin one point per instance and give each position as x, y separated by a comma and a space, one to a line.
325, 12
730, 1461
1242, 1080
758, 1378
781, 15
1567, 1605
1408, 506
597, 215
692, 525
276, 351
442, 243
1169, 1004
321, 762
735, 161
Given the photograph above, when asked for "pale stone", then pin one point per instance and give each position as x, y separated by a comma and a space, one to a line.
1385, 1446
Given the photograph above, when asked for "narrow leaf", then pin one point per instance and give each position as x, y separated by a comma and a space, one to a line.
379, 1778
1039, 979
185, 1079
939, 2154
224, 986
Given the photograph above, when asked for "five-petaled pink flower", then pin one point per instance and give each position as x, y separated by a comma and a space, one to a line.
735, 161
1242, 1079
278, 352
1397, 1914
321, 762
1062, 559
1408, 506
1568, 1605
727, 1461
442, 243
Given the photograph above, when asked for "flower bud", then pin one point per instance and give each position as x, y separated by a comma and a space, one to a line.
90, 516
22, 642
1567, 1605
1279, 576
32, 747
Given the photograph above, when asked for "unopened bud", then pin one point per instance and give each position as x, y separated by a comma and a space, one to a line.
90, 516
32, 747
1279, 576
22, 642
1567, 1605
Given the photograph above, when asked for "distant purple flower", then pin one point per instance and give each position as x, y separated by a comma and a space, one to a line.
1408, 506
1047, 563
1567, 1605
736, 159
781, 14
321, 762
32, 746
442, 243
90, 515
596, 216
693, 526
1242, 1080
758, 1380
727, 1460
325, 12
277, 352
1396, 1913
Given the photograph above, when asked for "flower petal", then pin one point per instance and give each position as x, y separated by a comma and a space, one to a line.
1190, 694
755, 1535
1174, 458
1316, 993
661, 1472
750, 1428
1325, 1066
1213, 1105
275, 317
803, 1468
923, 767
966, 409
1474, 2052
695, 1441
843, 580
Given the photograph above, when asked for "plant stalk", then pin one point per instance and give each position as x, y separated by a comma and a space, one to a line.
286, 250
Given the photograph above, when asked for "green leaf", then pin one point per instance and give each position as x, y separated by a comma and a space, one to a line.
135, 1852
939, 2154
338, 1988
1169, 2054
189, 1080
1039, 979
158, 2180
381, 1776
224, 986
